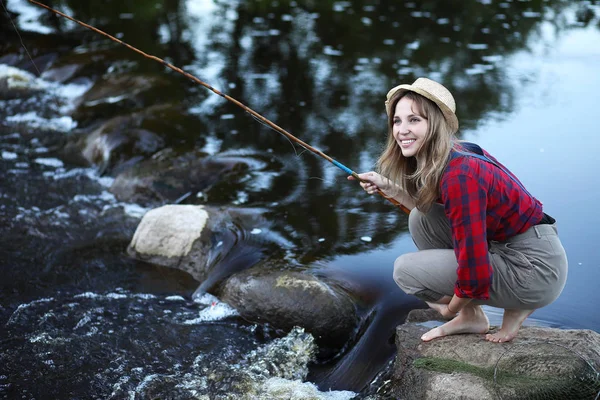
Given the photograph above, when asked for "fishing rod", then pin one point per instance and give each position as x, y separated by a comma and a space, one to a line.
253, 113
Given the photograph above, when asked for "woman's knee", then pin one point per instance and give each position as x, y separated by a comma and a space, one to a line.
402, 275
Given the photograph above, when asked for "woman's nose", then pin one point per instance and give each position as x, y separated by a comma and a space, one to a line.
402, 129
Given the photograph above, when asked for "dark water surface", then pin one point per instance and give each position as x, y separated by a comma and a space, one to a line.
81, 320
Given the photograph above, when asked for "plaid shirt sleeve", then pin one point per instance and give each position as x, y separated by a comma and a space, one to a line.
464, 194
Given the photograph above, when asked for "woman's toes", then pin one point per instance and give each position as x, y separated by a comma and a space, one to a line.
432, 334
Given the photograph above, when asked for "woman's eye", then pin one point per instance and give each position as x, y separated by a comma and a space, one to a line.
414, 120
397, 122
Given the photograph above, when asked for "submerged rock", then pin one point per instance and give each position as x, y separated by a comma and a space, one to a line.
166, 177
538, 363
124, 140
115, 142
285, 299
114, 93
17, 83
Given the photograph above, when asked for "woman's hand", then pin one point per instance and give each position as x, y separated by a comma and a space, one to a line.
372, 182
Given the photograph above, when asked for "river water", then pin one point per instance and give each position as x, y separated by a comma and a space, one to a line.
80, 319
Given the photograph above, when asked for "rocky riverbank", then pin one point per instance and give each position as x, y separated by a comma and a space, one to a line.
539, 362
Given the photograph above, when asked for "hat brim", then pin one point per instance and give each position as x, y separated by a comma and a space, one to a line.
449, 115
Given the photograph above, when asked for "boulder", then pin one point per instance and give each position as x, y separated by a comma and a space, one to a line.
117, 143
539, 363
17, 83
114, 93
285, 299
209, 243
213, 245
168, 176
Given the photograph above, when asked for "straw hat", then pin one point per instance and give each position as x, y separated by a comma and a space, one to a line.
432, 91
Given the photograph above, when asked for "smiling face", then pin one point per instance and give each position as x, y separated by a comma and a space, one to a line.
409, 128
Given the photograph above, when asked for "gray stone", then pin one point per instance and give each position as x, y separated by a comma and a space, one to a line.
209, 243
538, 362
177, 236
286, 299
168, 176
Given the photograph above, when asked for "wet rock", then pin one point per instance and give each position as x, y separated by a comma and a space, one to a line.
116, 93
17, 83
543, 362
121, 141
61, 73
177, 236
207, 242
285, 299
115, 142
167, 176
89, 62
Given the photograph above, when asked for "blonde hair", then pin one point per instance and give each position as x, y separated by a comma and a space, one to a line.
421, 180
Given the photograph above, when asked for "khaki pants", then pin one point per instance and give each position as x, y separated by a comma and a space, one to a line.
529, 269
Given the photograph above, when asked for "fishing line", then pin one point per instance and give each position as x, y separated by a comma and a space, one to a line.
304, 149
20, 38
288, 139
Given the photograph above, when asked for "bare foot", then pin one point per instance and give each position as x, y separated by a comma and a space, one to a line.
511, 323
471, 319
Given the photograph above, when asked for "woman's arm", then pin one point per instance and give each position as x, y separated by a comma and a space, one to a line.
374, 182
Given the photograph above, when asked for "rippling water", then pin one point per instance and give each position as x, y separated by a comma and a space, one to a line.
81, 319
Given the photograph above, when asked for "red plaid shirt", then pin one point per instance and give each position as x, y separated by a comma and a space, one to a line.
483, 204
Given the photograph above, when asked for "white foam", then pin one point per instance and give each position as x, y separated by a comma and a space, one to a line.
83, 321
8, 155
145, 296
89, 172
116, 296
90, 198
279, 388
33, 120
17, 78
21, 307
205, 299
49, 162
134, 210
216, 311
174, 298
87, 295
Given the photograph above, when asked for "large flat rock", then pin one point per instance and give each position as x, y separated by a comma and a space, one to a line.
540, 363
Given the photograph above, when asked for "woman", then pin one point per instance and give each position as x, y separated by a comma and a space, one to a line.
482, 238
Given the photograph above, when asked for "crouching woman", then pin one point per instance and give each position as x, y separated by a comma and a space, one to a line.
482, 238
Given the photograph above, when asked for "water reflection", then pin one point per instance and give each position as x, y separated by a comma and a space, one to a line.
318, 69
